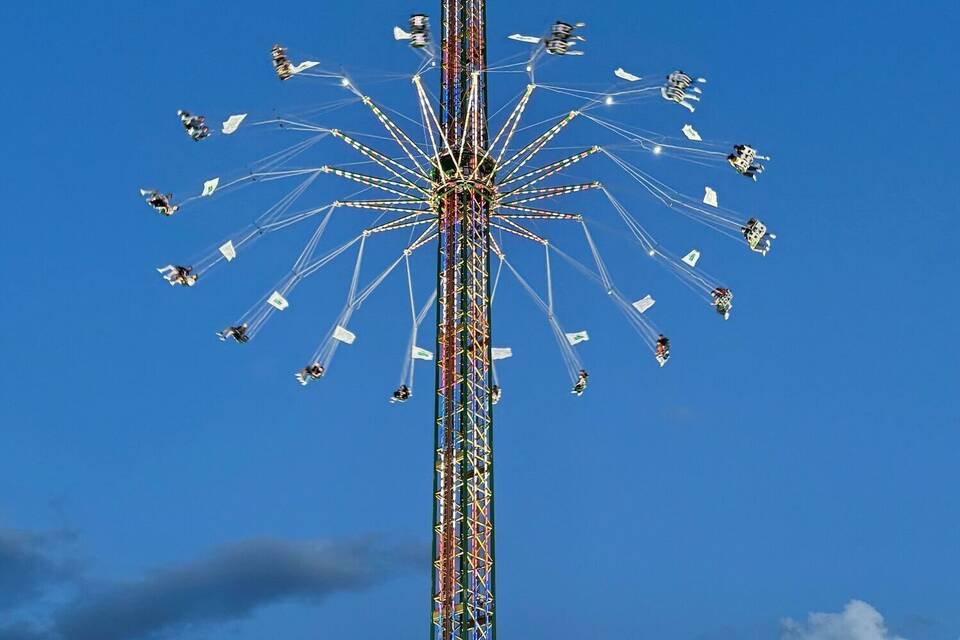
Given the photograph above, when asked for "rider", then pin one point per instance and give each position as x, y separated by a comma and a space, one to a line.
562, 37
195, 125
309, 373
176, 274
758, 238
663, 349
675, 90
419, 31
742, 160
679, 79
581, 383
402, 394
281, 64
723, 301
161, 203
238, 333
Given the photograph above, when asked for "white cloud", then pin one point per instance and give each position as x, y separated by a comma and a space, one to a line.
857, 621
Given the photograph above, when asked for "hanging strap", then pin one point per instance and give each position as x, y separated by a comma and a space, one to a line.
570, 359
417, 317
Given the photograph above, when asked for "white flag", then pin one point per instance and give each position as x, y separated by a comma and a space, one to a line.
692, 258
419, 353
228, 250
644, 303
577, 337
400, 34
232, 123
145, 192
626, 75
501, 353
691, 133
343, 335
710, 197
527, 39
277, 301
303, 66
209, 187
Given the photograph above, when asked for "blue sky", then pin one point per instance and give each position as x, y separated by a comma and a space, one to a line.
792, 460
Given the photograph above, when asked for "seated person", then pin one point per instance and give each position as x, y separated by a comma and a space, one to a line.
238, 333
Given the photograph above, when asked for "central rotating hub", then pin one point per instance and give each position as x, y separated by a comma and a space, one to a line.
470, 172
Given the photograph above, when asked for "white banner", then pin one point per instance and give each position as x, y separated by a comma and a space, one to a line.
232, 123
277, 301
209, 187
644, 303
228, 250
626, 75
501, 353
419, 353
577, 337
343, 335
691, 133
303, 66
710, 197
692, 258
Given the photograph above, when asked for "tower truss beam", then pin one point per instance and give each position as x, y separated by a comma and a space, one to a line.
463, 586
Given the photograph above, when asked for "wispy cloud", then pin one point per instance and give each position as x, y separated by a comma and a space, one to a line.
857, 621
28, 565
23, 632
228, 585
223, 586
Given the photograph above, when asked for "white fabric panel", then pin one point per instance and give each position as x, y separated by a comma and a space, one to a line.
710, 197
577, 337
527, 39
419, 353
277, 301
228, 250
232, 123
303, 66
691, 133
626, 75
692, 258
341, 334
644, 303
209, 187
501, 353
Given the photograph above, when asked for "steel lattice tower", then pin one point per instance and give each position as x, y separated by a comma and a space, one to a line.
455, 189
463, 604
